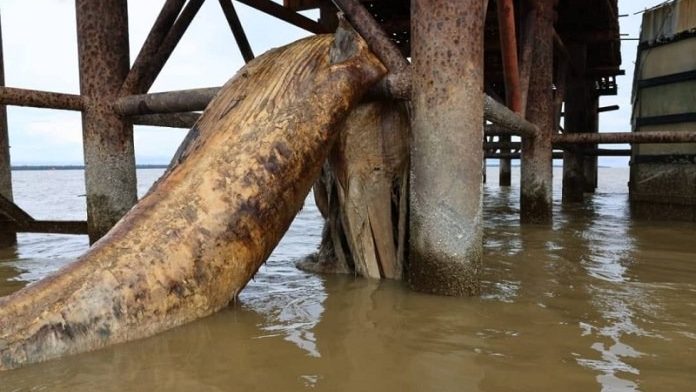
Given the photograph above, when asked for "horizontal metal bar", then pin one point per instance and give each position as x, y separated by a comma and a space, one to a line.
170, 120
559, 155
40, 99
52, 227
602, 109
666, 119
625, 137
516, 155
610, 108
165, 102
502, 145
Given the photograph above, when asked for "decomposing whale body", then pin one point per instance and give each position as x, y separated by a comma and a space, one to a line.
194, 241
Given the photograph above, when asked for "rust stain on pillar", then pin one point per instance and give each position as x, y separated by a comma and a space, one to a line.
102, 37
6, 239
513, 93
535, 199
446, 155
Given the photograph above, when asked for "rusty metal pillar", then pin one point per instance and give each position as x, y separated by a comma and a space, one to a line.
513, 93
591, 162
102, 38
536, 196
446, 155
6, 239
577, 102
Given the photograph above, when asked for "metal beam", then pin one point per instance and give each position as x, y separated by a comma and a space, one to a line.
52, 227
499, 114
12, 211
166, 102
237, 29
170, 120
163, 24
274, 9
168, 45
626, 137
377, 40
40, 99
511, 73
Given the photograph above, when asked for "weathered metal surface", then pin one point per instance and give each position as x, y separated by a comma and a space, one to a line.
393, 86
194, 241
53, 227
559, 155
40, 99
274, 9
626, 137
156, 62
535, 199
576, 120
500, 115
164, 22
513, 93
6, 238
372, 32
12, 211
446, 157
102, 41
166, 102
170, 120
237, 29
527, 55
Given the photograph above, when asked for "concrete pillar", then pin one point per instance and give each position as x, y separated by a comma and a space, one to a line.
102, 38
577, 102
446, 156
6, 239
536, 196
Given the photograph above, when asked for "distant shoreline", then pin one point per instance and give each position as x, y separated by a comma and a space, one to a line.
74, 167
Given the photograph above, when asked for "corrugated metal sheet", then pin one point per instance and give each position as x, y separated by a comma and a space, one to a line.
668, 19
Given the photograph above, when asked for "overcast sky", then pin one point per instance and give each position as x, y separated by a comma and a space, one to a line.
40, 52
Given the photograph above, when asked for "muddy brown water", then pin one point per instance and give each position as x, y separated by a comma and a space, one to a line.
594, 302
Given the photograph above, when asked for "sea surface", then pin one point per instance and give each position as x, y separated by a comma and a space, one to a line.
595, 301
